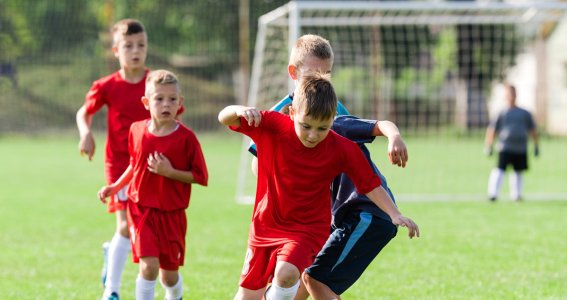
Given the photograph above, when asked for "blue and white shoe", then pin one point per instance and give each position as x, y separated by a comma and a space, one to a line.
112, 296
105, 247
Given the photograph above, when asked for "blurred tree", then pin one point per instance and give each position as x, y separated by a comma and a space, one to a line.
15, 34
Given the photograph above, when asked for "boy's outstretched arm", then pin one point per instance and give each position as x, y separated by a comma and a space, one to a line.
381, 198
230, 115
397, 150
86, 140
109, 190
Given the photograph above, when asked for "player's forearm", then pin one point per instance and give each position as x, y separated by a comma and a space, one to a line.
381, 198
535, 136
489, 139
183, 176
387, 129
228, 116
124, 179
83, 121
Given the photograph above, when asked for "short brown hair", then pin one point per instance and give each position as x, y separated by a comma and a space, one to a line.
310, 45
160, 77
126, 27
316, 96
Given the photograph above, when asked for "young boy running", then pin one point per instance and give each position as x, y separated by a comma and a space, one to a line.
314, 53
298, 158
165, 158
121, 92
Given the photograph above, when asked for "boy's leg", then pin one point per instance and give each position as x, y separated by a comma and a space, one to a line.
118, 248
494, 183
348, 252
285, 283
247, 294
318, 289
516, 183
172, 283
147, 278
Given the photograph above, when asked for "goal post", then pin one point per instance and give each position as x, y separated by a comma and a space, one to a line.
428, 67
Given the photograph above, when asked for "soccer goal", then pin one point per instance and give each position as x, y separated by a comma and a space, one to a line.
429, 67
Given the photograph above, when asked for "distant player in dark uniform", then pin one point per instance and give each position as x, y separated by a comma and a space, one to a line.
512, 126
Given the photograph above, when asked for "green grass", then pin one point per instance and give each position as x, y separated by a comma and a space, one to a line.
52, 226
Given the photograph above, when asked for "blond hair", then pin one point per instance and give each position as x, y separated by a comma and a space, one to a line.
310, 45
315, 96
125, 27
160, 77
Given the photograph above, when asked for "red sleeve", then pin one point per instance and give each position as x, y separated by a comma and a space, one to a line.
94, 99
198, 166
271, 120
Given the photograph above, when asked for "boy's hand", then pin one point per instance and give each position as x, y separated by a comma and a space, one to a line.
251, 115
397, 152
87, 146
413, 229
104, 192
159, 164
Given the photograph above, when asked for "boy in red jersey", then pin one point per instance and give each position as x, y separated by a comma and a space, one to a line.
165, 158
121, 91
298, 158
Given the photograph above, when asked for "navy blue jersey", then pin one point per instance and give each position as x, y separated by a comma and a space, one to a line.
343, 192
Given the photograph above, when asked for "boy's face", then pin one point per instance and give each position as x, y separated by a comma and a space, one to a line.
309, 131
311, 64
131, 50
164, 102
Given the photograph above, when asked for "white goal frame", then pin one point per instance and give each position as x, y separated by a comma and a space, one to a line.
371, 13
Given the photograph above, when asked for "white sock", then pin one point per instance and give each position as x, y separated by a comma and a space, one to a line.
279, 293
117, 254
516, 185
174, 292
495, 182
145, 289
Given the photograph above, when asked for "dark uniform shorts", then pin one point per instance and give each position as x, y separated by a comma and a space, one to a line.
519, 161
350, 249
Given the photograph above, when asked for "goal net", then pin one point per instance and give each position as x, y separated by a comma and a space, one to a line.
428, 67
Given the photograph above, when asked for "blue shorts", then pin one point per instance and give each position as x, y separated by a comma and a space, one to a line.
350, 249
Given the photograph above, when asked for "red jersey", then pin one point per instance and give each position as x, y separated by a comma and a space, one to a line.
182, 149
293, 191
123, 100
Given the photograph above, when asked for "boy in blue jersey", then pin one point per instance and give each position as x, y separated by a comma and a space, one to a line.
360, 229
314, 53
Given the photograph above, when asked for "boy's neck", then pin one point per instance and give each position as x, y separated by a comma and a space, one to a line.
133, 75
162, 128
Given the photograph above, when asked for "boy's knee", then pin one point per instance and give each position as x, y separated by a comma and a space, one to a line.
286, 276
149, 268
169, 278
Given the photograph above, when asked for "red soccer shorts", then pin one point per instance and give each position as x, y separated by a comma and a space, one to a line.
158, 233
260, 262
118, 201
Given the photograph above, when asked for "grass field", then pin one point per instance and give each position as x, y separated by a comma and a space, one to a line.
52, 226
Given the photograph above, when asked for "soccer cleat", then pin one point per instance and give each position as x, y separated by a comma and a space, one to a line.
492, 199
105, 247
112, 296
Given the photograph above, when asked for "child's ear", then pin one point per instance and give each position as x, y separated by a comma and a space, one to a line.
291, 112
115, 51
292, 71
146, 102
